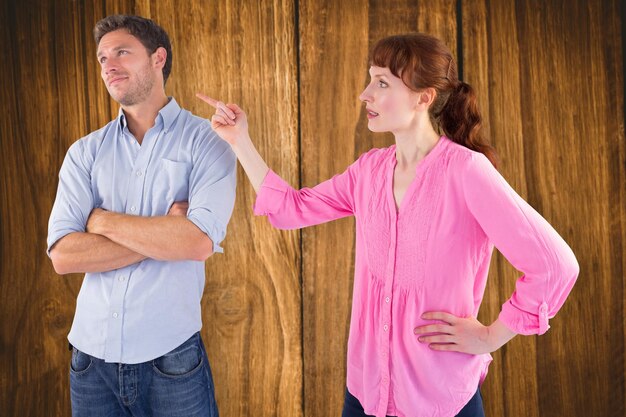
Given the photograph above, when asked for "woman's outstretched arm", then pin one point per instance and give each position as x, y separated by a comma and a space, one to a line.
285, 207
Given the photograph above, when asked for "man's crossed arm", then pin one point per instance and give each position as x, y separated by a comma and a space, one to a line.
115, 240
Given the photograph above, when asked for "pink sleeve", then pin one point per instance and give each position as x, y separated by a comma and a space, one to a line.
287, 208
527, 241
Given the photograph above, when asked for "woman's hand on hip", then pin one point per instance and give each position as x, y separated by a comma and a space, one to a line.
459, 334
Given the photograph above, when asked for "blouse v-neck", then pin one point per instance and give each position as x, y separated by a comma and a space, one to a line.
421, 165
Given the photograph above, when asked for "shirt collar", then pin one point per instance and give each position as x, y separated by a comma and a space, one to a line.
168, 114
439, 147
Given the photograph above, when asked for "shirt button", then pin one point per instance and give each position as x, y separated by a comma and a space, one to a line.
386, 327
386, 299
132, 208
121, 278
114, 315
139, 173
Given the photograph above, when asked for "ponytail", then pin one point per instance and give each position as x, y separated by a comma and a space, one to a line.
460, 120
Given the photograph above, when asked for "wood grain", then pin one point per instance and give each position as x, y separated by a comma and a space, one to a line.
333, 54
497, 83
335, 38
244, 52
276, 306
550, 78
251, 304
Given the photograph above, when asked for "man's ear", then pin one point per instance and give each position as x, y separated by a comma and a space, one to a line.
159, 57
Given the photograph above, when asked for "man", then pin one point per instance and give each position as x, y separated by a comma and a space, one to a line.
141, 204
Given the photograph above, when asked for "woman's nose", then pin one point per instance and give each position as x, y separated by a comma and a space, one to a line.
365, 96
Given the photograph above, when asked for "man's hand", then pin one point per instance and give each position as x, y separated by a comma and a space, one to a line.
95, 223
172, 237
98, 217
179, 208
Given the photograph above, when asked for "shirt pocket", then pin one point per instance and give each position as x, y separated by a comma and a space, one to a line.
171, 182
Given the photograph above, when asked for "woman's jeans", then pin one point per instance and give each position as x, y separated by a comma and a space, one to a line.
474, 408
178, 383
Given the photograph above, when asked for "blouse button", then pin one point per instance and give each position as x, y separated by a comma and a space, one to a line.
386, 327
386, 299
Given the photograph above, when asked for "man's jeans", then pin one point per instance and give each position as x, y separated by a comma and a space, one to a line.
178, 383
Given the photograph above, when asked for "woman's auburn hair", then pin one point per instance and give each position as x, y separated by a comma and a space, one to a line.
423, 61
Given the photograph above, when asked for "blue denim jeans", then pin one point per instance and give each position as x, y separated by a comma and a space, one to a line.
474, 408
178, 383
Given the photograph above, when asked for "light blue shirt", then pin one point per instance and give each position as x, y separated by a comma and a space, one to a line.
140, 312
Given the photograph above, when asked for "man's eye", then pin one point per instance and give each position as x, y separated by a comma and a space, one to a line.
102, 60
122, 52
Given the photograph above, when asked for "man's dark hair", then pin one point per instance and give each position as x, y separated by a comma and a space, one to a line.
151, 35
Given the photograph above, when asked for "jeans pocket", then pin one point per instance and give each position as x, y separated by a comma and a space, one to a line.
81, 362
182, 361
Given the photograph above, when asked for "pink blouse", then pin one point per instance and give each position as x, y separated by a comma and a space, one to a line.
432, 254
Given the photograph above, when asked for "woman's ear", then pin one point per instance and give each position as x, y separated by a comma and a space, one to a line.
425, 98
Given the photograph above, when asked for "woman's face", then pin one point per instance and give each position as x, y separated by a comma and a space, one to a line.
391, 106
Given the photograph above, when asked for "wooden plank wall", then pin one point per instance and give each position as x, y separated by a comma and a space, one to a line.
243, 51
550, 79
276, 306
334, 41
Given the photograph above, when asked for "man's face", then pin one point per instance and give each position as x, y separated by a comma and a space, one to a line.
126, 68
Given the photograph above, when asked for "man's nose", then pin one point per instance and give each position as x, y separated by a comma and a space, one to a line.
109, 66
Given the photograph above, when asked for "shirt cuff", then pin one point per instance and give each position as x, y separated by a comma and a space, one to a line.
62, 229
210, 226
523, 322
270, 195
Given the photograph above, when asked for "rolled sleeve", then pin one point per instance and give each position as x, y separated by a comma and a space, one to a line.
527, 241
523, 322
212, 188
74, 199
210, 225
271, 194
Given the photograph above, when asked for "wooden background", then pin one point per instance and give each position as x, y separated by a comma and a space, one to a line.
276, 306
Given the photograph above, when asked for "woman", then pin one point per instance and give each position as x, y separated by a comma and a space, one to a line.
429, 211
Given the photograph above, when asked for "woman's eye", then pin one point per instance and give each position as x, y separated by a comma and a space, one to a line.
382, 84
